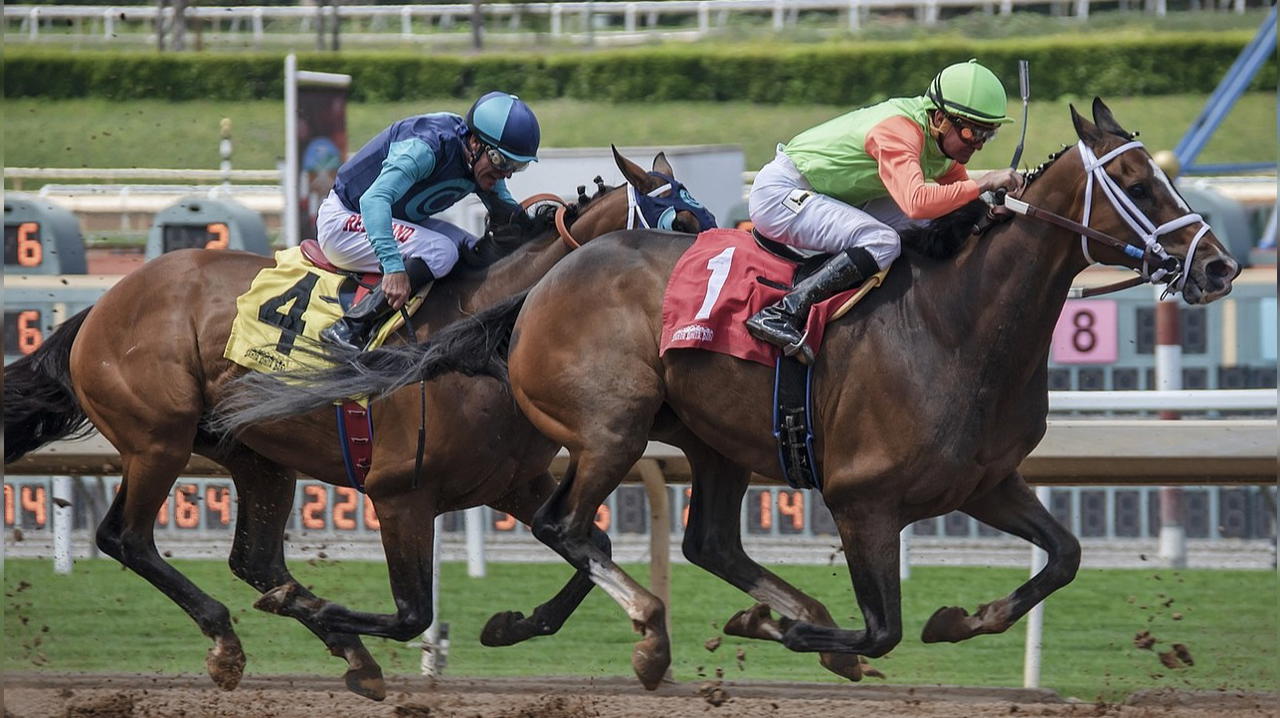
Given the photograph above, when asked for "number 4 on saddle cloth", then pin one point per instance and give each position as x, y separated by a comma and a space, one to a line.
286, 306
721, 280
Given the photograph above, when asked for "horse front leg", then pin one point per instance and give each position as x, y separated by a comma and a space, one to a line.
713, 542
1012, 507
510, 627
564, 524
869, 532
407, 520
257, 557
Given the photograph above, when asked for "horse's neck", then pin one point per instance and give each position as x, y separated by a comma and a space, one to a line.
996, 304
467, 294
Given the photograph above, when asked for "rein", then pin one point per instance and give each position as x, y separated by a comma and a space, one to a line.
561, 209
1151, 255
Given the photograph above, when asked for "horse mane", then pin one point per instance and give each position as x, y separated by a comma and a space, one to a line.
509, 237
943, 237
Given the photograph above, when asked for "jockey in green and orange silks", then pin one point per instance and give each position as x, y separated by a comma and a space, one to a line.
848, 185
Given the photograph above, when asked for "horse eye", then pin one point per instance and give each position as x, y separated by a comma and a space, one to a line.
1138, 191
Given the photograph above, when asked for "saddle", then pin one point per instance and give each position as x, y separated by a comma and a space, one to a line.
807, 261
351, 292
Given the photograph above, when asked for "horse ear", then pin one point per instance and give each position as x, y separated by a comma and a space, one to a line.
660, 164
1085, 129
631, 171
1106, 121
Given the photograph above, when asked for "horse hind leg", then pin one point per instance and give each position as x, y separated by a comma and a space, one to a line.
510, 627
1012, 507
257, 557
713, 542
127, 533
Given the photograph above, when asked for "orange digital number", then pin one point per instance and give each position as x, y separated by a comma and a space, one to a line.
8, 505
32, 499
791, 504
684, 515
29, 335
220, 234
186, 513
162, 518
30, 251
766, 510
344, 508
506, 523
218, 499
603, 517
371, 522
313, 507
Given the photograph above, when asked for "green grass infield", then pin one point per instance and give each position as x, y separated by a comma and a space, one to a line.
103, 618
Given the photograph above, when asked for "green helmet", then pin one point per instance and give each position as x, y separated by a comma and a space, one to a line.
971, 91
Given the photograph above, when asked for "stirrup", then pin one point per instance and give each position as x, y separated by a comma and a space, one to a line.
800, 348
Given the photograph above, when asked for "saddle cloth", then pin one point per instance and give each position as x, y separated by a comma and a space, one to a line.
720, 281
287, 305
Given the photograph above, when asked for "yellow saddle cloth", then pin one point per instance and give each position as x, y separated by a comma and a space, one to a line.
288, 305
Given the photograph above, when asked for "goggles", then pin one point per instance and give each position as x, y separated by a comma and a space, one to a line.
972, 134
503, 163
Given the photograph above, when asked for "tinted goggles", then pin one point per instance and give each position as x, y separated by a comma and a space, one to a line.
503, 163
971, 133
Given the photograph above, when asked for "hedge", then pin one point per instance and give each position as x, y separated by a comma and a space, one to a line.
844, 73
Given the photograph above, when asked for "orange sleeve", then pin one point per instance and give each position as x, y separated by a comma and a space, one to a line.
896, 144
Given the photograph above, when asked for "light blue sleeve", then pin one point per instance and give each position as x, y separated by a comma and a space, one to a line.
408, 161
503, 193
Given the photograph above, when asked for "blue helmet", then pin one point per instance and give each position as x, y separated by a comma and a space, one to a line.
506, 122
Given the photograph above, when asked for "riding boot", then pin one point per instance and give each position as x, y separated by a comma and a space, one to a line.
782, 324
353, 331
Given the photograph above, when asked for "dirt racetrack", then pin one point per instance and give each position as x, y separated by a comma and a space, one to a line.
33, 695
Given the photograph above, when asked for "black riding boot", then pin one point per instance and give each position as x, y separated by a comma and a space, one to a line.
353, 331
782, 324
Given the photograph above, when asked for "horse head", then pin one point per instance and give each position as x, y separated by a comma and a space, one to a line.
1126, 195
654, 199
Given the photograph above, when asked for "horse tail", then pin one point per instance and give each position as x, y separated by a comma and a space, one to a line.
39, 403
472, 346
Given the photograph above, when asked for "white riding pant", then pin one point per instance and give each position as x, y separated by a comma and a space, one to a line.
785, 208
345, 243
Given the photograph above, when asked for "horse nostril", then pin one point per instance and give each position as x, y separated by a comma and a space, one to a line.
1222, 269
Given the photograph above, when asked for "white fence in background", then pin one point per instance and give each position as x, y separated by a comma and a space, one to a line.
563, 19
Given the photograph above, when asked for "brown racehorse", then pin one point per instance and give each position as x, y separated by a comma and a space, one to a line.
928, 397
145, 367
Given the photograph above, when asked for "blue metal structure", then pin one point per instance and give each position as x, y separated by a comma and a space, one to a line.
1224, 97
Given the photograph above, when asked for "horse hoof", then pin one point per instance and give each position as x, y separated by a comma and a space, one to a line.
845, 665
501, 630
275, 600
225, 664
947, 624
366, 681
754, 622
650, 660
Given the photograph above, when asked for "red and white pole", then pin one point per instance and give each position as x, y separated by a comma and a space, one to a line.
1173, 535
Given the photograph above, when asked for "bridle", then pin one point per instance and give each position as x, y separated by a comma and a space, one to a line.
1154, 263
645, 210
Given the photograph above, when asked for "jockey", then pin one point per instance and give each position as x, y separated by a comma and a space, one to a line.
378, 216
848, 185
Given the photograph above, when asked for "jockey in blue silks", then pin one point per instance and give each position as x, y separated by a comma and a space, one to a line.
378, 218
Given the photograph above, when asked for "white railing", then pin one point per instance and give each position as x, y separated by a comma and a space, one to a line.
607, 18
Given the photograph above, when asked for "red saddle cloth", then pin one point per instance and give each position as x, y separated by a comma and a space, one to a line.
715, 287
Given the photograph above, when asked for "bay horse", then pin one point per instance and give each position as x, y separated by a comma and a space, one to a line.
929, 394
145, 366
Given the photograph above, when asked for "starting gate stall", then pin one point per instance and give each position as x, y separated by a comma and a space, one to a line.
40, 238
203, 223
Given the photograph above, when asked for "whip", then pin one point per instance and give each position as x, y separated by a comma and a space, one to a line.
1024, 88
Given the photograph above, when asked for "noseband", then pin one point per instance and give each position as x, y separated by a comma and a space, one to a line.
1154, 263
